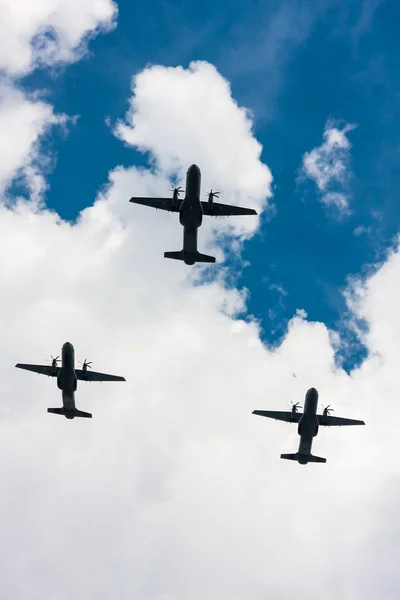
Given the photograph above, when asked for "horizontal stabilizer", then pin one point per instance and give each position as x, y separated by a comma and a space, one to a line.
81, 413
71, 414
56, 411
303, 459
318, 459
204, 258
176, 255
190, 257
290, 456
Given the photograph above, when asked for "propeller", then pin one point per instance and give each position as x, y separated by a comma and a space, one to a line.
212, 194
328, 409
295, 407
85, 364
177, 190
55, 360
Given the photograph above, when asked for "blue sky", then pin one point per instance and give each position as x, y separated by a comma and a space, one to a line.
294, 65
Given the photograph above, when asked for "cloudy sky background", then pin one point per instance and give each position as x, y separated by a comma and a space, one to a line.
174, 490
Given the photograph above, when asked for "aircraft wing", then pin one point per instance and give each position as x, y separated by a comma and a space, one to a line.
280, 415
161, 203
41, 369
94, 376
337, 421
225, 210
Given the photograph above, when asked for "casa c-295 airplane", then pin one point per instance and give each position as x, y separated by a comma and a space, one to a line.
309, 423
191, 210
67, 377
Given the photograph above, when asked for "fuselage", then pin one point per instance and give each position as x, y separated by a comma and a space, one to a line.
308, 425
66, 379
191, 213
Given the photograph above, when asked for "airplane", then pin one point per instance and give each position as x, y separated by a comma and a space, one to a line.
309, 423
67, 377
191, 210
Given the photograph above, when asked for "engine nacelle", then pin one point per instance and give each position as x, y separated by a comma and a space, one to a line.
210, 203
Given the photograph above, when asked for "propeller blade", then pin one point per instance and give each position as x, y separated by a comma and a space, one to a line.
86, 364
177, 190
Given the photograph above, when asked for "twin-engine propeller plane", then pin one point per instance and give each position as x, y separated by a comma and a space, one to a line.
67, 377
309, 423
191, 210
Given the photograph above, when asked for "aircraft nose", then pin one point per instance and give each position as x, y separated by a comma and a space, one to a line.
67, 346
194, 168
312, 393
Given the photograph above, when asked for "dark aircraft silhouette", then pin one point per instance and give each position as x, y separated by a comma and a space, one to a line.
67, 377
308, 422
191, 211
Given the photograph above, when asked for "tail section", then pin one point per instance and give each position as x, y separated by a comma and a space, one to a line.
303, 459
70, 414
190, 257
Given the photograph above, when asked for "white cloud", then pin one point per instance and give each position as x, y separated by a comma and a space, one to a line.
174, 489
360, 229
328, 166
47, 32
39, 33
185, 116
23, 121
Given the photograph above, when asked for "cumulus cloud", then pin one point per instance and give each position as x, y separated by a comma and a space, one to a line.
328, 166
184, 116
23, 121
47, 32
40, 33
174, 490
